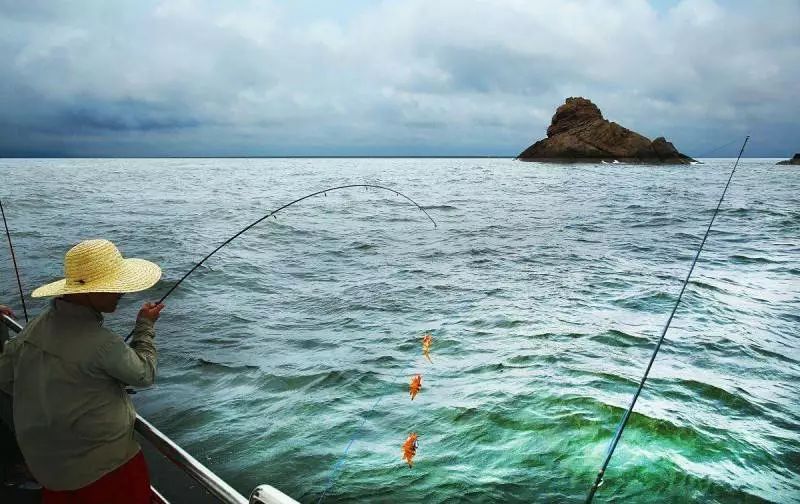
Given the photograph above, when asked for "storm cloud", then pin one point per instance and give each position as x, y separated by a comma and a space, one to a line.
203, 78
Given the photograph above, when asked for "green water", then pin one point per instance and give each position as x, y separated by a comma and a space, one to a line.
545, 288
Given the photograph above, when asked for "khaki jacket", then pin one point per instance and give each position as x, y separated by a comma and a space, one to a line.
67, 375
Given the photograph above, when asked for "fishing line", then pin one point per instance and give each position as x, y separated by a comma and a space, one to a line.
14, 260
339, 463
705, 154
272, 213
618, 434
407, 373
338, 466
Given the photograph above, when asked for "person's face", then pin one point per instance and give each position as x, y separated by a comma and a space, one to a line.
105, 302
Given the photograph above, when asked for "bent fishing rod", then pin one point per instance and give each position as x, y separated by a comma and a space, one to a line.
14, 260
624, 421
272, 213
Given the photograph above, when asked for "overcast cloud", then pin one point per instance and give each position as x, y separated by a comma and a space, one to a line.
405, 77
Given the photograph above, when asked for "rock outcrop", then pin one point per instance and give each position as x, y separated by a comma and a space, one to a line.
794, 160
578, 133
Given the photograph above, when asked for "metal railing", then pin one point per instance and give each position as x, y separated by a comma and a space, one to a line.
263, 494
178, 456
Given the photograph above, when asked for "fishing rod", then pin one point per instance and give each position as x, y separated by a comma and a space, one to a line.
613, 445
272, 213
14, 260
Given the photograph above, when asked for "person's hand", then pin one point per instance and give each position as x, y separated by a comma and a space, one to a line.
5, 310
150, 311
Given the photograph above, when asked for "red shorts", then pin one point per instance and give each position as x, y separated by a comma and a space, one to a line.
127, 484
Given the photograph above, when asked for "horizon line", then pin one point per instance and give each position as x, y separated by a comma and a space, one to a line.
323, 157
262, 157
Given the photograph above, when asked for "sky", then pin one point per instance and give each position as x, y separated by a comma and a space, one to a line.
394, 77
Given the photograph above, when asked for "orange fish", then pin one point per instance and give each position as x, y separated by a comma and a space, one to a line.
426, 346
415, 385
410, 448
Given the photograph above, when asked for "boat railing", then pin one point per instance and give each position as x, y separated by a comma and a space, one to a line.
216, 486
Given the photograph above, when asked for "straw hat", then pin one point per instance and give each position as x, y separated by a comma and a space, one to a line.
97, 266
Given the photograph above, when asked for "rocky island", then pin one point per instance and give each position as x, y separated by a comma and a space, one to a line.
578, 133
794, 160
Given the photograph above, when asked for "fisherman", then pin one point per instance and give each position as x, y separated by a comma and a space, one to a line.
67, 376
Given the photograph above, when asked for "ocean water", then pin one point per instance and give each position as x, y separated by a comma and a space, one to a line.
545, 288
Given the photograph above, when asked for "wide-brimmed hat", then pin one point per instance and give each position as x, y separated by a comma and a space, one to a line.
97, 266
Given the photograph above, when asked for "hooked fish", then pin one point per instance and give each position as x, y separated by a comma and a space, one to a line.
415, 385
410, 448
426, 346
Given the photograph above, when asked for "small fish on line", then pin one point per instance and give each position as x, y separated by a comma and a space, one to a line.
410, 448
426, 346
415, 385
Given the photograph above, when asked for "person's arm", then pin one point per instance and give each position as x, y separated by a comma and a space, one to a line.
4, 310
135, 364
7, 367
3, 335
